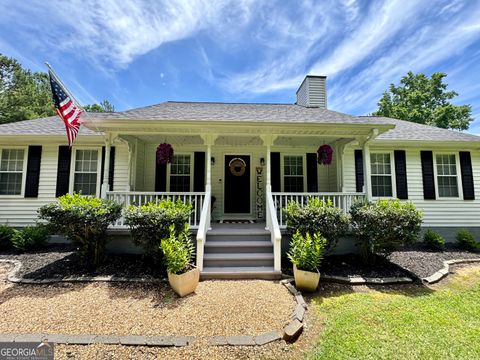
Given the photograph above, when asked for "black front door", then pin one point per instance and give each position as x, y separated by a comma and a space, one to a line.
237, 184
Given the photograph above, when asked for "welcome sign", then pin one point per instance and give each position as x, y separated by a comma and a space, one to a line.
259, 193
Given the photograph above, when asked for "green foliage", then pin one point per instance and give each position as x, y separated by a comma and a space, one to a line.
104, 106
306, 252
30, 238
84, 221
178, 250
424, 100
317, 216
150, 223
383, 226
433, 240
466, 241
6, 234
23, 94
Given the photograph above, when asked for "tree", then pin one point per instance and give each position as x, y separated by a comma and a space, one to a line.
424, 100
23, 94
104, 106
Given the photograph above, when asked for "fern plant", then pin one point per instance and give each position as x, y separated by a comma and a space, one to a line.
178, 250
306, 252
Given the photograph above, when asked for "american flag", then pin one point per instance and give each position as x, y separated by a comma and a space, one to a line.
66, 109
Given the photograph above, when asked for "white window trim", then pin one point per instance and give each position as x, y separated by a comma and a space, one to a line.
282, 170
192, 167
459, 174
24, 170
72, 168
392, 174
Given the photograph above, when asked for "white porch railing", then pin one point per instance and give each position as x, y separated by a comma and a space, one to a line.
275, 234
341, 200
127, 198
203, 227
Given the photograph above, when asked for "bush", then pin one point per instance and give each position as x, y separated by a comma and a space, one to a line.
433, 240
383, 226
178, 250
30, 238
6, 234
317, 216
466, 241
150, 223
84, 221
306, 252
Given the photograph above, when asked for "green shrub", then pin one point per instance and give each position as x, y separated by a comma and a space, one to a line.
466, 241
433, 240
306, 252
150, 223
383, 226
6, 234
84, 221
317, 216
30, 238
178, 250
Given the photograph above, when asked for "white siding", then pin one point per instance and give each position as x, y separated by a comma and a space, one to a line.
440, 212
19, 211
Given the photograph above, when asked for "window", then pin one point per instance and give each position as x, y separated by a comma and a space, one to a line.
447, 175
381, 172
293, 173
180, 173
11, 171
86, 171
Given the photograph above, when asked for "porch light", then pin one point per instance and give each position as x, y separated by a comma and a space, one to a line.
262, 161
212, 160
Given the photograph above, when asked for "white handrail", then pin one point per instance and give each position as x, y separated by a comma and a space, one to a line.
203, 226
275, 234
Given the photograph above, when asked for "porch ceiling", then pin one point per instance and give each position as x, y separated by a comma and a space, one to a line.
167, 138
313, 141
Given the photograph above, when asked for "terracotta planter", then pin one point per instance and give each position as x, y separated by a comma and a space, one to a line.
306, 280
185, 283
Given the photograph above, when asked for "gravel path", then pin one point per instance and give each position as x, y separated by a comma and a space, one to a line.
425, 263
59, 260
217, 308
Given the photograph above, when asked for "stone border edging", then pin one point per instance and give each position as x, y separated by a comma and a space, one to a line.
360, 280
440, 274
292, 331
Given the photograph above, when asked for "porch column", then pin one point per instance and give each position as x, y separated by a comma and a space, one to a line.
268, 142
366, 171
209, 140
106, 167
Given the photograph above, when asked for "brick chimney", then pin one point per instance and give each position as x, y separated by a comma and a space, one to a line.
313, 92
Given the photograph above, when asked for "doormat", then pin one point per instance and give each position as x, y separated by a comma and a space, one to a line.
236, 221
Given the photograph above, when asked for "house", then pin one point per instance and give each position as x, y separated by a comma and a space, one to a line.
242, 162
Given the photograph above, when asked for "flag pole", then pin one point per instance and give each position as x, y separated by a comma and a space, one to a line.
74, 99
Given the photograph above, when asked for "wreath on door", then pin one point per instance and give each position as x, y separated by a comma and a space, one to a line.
237, 166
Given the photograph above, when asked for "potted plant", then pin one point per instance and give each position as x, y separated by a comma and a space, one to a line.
306, 253
178, 250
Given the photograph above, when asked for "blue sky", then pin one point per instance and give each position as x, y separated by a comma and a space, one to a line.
136, 53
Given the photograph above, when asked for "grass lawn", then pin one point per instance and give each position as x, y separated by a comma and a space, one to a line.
442, 322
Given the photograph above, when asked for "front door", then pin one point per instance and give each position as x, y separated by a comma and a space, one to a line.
237, 184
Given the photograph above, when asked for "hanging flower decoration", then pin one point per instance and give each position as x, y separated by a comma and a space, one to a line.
164, 154
325, 154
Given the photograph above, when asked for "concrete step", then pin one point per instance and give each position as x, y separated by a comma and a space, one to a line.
245, 246
256, 236
253, 272
238, 259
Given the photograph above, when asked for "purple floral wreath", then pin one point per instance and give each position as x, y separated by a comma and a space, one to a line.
325, 155
164, 154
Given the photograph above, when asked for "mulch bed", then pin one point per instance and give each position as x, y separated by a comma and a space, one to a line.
57, 261
423, 263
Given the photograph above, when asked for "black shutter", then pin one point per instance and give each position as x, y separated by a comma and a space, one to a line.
401, 174
199, 171
359, 180
33, 171
111, 168
312, 173
161, 177
63, 170
428, 176
467, 175
275, 171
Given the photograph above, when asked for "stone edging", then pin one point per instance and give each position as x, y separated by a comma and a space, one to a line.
359, 280
440, 274
293, 330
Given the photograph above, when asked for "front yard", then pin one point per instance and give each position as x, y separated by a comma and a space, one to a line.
409, 322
